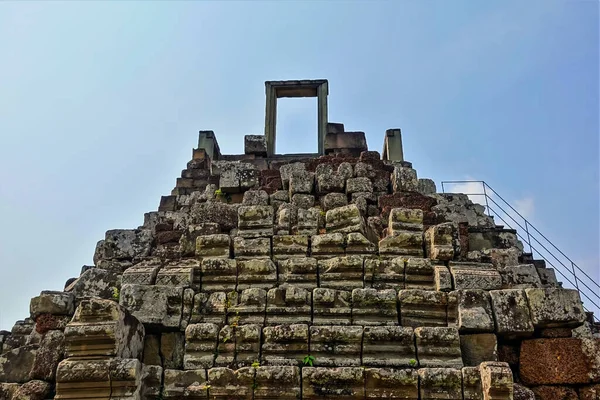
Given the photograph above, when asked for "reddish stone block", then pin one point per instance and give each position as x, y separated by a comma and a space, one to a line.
554, 362
590, 393
555, 393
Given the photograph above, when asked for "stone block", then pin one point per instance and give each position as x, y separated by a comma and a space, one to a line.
255, 144
210, 307
511, 313
478, 348
343, 273
308, 222
496, 381
384, 273
184, 273
287, 170
151, 350
555, 307
426, 186
256, 273
190, 384
303, 201
440, 383
200, 346
385, 383
143, 273
218, 274
255, 221
438, 347
333, 200
346, 219
250, 309
358, 185
357, 243
372, 307
336, 345
94, 283
442, 278
32, 390
338, 383
16, 364
247, 344
288, 304
127, 244
330, 182
98, 328
474, 311
327, 245
555, 393
285, 344
471, 382
279, 382
151, 382
423, 308
560, 361
225, 383
403, 243
244, 249
159, 306
331, 307
48, 355
405, 219
301, 182
520, 277
475, 276
83, 379
286, 246
547, 277
255, 198
404, 179
213, 246
49, 302
439, 241
585, 393
225, 354
298, 271
389, 346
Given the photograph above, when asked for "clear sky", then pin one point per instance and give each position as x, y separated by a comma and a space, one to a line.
100, 105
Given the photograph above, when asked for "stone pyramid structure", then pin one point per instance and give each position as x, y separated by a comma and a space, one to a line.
333, 275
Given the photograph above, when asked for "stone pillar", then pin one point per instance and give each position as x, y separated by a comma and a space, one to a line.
392, 145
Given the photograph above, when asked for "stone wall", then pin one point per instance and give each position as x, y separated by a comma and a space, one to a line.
339, 276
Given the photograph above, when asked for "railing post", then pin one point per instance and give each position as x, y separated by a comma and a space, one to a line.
443, 191
575, 276
487, 206
528, 237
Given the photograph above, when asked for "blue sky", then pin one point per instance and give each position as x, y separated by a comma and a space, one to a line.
100, 105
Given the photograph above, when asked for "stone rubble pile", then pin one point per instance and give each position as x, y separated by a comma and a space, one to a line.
341, 276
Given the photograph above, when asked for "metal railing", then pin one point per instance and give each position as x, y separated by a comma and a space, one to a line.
538, 244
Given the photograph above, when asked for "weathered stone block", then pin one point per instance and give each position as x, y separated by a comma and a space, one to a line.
439, 241
333, 200
555, 393
287, 170
251, 248
389, 346
471, 382
344, 273
285, 344
49, 302
511, 312
385, 383
327, 245
126, 244
154, 305
298, 271
339, 383
303, 201
94, 283
49, 354
426, 186
474, 311
438, 347
520, 277
329, 182
218, 274
475, 276
247, 344
384, 273
288, 304
346, 219
308, 222
279, 382
555, 307
478, 348
547, 277
225, 383
422, 308
250, 309
16, 364
496, 381
210, 308
357, 243
301, 182
440, 383
32, 390
256, 273
286, 246
184, 273
405, 219
331, 307
200, 346
98, 328
255, 198
143, 273
82, 379
190, 384
225, 354
213, 246
374, 307
255, 144
255, 221
404, 179
403, 243
442, 278
151, 382
336, 345
357, 185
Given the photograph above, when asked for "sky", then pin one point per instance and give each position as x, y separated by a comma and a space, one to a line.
101, 104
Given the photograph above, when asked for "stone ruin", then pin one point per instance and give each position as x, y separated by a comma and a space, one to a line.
332, 275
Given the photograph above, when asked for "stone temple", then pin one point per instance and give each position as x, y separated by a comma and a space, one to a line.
332, 275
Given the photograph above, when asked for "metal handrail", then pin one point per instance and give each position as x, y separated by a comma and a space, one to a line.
530, 235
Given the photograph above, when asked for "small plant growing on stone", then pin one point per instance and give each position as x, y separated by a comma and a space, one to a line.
115, 294
255, 364
412, 362
254, 385
308, 360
